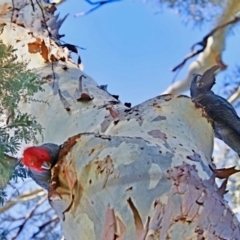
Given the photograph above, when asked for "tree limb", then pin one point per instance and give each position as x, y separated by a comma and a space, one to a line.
44, 225
98, 5
29, 215
23, 198
203, 43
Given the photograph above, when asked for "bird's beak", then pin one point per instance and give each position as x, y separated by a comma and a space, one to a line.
46, 165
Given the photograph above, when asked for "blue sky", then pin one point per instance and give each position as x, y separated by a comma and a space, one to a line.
132, 49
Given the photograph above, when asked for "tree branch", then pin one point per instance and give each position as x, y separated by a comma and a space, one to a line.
29, 215
97, 5
234, 96
23, 198
40, 228
203, 43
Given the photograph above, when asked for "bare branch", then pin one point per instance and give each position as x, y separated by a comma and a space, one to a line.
23, 198
203, 43
29, 215
53, 219
97, 5
234, 96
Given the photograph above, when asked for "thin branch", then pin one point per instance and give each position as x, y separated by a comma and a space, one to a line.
29, 215
8, 218
203, 43
234, 96
23, 198
44, 18
98, 5
82, 48
190, 55
40, 228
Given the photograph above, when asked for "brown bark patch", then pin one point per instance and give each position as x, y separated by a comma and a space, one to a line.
225, 172
67, 146
114, 228
4, 9
60, 186
44, 51
166, 97
204, 114
106, 166
36, 46
141, 232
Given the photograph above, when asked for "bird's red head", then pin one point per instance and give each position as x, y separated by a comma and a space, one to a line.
35, 158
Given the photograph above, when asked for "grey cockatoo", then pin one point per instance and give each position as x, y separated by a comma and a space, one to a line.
226, 122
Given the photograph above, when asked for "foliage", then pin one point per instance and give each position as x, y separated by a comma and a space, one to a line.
198, 10
16, 84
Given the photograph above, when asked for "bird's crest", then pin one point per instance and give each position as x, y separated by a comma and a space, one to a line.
207, 80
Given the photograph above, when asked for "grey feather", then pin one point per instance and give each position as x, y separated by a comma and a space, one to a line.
226, 122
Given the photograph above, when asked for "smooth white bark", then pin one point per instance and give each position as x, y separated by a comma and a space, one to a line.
140, 173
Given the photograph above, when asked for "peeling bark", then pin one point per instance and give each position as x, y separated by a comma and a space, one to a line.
138, 173
132, 171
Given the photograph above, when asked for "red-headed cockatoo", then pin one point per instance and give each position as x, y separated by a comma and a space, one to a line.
40, 160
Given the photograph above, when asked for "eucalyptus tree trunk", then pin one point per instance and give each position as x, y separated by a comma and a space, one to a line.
123, 173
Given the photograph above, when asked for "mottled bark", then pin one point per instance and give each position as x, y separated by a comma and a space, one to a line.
139, 173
